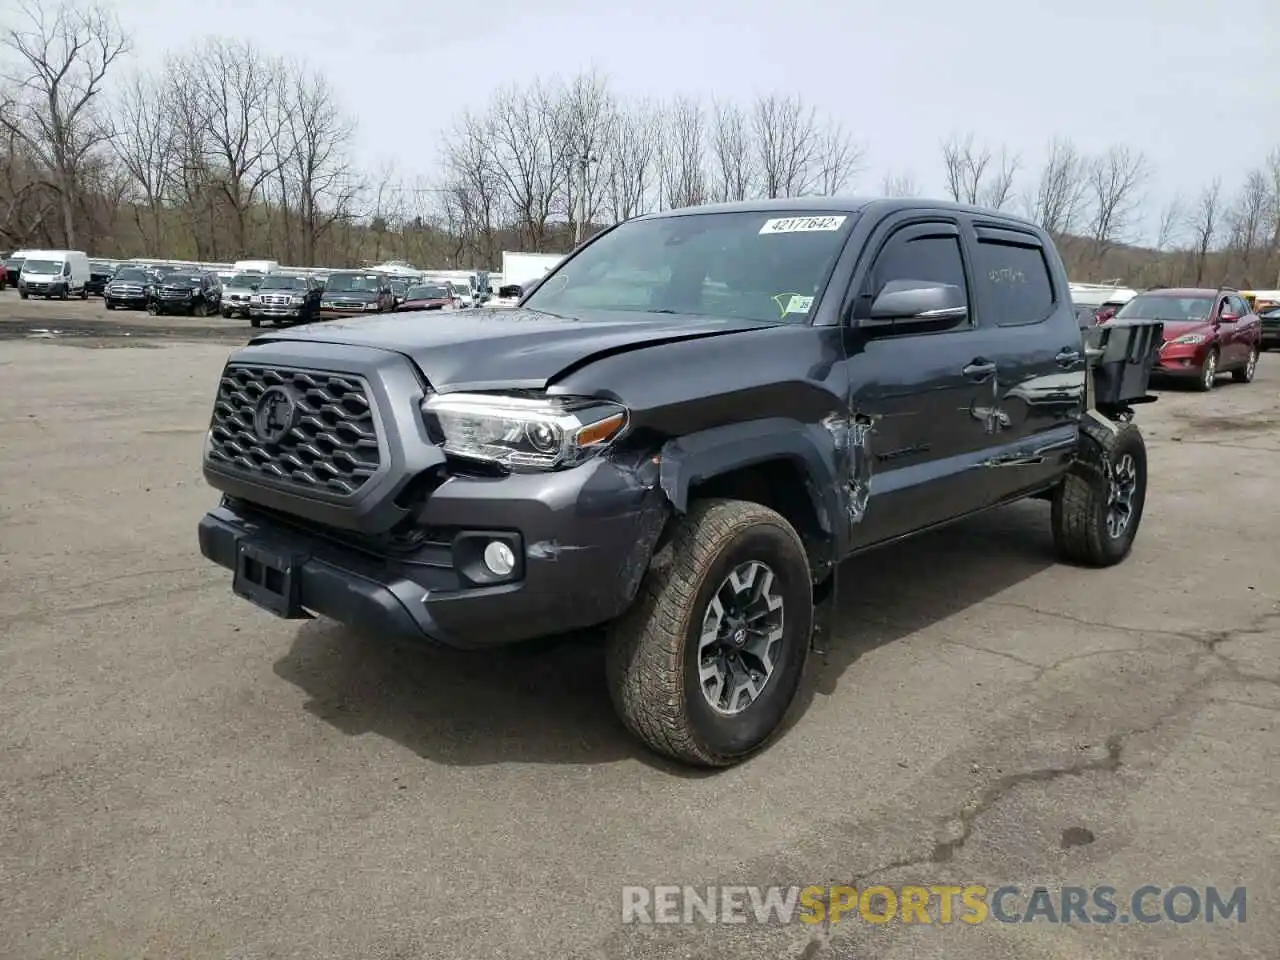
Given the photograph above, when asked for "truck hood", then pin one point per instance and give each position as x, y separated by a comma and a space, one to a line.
486, 349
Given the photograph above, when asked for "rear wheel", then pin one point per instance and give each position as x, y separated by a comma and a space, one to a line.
1209, 372
1245, 374
705, 664
1098, 507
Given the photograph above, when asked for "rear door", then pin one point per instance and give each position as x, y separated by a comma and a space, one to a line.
1039, 355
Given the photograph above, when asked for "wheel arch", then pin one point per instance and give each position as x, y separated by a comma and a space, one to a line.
785, 465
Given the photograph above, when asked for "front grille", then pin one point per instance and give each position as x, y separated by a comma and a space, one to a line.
283, 301
347, 304
125, 290
174, 294
332, 445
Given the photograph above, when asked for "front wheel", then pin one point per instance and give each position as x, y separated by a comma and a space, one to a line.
1245, 374
255, 322
109, 304
705, 664
1098, 507
153, 309
1208, 373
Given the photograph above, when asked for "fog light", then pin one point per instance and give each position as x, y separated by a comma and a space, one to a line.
499, 558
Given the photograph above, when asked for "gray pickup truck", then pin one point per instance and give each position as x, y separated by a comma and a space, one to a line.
677, 436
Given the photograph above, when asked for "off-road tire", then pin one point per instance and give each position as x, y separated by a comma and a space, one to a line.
652, 649
1245, 374
23, 294
1205, 383
108, 304
1081, 502
255, 321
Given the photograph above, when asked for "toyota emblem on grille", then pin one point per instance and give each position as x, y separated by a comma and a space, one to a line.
275, 415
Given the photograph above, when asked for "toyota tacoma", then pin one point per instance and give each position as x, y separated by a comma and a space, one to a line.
678, 435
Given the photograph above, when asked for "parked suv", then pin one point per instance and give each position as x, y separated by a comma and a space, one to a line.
130, 288
285, 298
679, 434
194, 294
1206, 331
237, 292
349, 292
100, 274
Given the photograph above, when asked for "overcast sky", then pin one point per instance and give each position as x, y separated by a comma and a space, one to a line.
1195, 86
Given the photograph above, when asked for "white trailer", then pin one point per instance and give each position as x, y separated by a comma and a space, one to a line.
523, 268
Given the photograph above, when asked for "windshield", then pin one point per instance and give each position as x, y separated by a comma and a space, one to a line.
283, 283
180, 278
427, 293
399, 286
14, 262
41, 266
1163, 306
750, 266
245, 280
354, 283
137, 276
97, 266
512, 290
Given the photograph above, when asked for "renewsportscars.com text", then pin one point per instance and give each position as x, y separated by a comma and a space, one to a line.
932, 904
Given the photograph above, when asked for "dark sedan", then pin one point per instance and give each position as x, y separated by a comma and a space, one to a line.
429, 297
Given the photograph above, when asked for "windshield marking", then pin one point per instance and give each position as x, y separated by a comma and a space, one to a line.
801, 224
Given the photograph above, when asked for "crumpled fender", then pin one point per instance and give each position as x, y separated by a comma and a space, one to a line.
815, 448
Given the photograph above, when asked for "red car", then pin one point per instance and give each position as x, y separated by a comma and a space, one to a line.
429, 297
1206, 332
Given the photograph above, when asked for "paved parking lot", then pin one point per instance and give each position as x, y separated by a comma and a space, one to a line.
184, 776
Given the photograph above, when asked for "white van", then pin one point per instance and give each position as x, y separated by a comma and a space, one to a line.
54, 273
255, 266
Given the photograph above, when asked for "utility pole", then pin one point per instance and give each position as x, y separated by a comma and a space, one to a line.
580, 213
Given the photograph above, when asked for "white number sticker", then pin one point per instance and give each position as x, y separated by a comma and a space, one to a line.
799, 304
802, 224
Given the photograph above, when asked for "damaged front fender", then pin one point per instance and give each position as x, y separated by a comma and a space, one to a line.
816, 449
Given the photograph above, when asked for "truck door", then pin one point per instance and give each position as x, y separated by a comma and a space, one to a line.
925, 390
1039, 381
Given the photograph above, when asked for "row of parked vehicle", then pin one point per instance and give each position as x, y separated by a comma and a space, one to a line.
264, 294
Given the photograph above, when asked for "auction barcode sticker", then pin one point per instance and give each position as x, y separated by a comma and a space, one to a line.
802, 224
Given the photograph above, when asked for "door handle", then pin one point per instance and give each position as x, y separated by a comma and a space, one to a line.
1067, 357
979, 370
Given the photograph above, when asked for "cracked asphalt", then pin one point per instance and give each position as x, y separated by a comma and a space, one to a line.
182, 775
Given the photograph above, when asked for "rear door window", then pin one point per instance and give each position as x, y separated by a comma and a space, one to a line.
1014, 283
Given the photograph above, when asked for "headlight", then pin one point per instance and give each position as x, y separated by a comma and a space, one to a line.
526, 434
1190, 338
298, 301
255, 299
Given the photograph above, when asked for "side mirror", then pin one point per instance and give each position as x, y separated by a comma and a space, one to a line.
915, 302
1228, 317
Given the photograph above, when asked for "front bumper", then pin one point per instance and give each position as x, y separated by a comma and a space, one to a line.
44, 289
1181, 360
274, 310
1271, 334
583, 539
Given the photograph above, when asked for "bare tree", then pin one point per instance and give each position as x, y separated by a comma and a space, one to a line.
900, 185
236, 103
682, 156
1204, 226
1114, 183
789, 144
316, 135
63, 55
632, 161
1056, 201
998, 192
733, 174
531, 161
1169, 227
965, 167
586, 114
1246, 222
840, 160
386, 205
471, 196
145, 144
